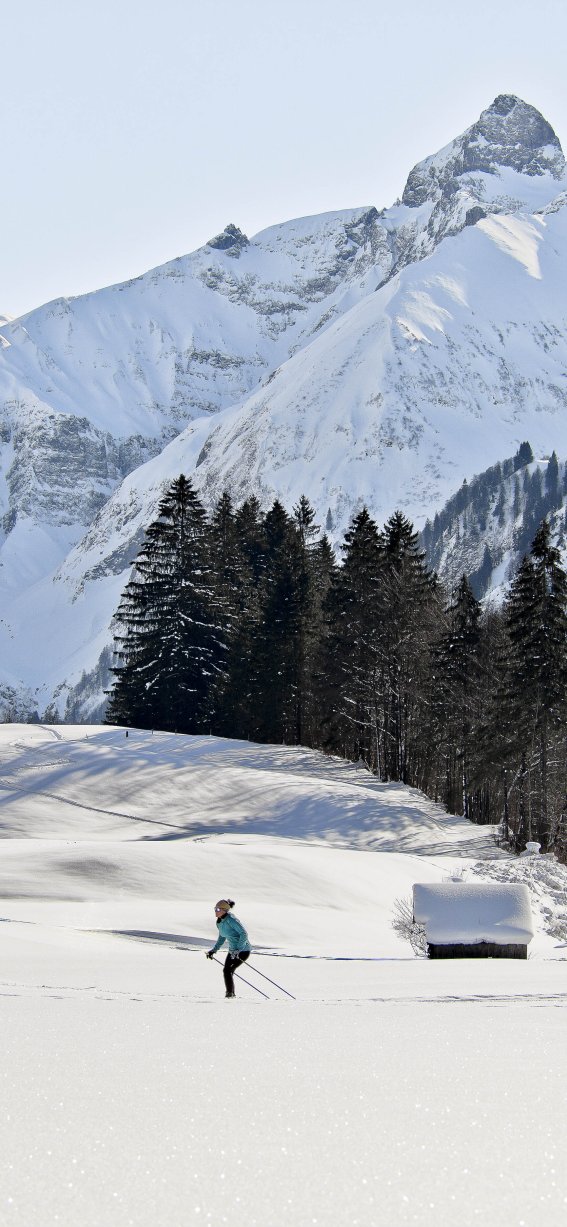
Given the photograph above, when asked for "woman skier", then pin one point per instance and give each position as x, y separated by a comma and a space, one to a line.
231, 931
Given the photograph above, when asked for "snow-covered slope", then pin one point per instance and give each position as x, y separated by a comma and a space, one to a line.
115, 827
356, 357
100, 813
487, 527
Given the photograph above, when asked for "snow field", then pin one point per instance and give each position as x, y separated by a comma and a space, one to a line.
127, 1112
392, 1091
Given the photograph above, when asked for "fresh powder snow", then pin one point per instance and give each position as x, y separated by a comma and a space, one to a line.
393, 1090
472, 913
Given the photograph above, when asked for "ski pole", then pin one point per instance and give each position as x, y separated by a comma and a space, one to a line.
282, 990
235, 973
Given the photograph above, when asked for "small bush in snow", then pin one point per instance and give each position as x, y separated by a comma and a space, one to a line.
406, 927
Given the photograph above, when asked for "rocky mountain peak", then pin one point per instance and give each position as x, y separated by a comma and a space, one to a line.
232, 240
513, 133
508, 134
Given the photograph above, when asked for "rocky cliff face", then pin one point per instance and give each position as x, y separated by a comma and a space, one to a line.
367, 355
509, 135
508, 160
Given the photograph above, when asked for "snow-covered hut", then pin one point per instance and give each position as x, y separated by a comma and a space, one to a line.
474, 920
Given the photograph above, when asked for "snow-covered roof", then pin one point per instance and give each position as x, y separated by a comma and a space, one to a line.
467, 913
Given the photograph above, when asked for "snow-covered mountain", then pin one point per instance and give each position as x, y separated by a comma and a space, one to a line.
360, 356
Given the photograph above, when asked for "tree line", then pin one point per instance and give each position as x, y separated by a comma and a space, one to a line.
242, 623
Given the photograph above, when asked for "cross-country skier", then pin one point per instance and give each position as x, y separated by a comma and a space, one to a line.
231, 931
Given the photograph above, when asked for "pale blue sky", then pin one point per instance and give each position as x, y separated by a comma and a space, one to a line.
134, 131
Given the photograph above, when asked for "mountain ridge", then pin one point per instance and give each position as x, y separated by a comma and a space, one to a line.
360, 356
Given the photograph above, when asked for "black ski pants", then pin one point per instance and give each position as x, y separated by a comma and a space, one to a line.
231, 963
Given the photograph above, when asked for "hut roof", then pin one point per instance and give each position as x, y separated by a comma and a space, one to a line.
455, 912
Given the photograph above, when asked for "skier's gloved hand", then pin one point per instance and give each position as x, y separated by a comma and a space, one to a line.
209, 954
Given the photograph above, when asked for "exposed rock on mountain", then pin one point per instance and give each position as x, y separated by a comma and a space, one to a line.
510, 134
231, 240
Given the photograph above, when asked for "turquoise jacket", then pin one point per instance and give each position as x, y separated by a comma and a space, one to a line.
231, 931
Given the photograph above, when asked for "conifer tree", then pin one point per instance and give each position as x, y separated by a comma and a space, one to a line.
516, 708
283, 594
227, 583
524, 455
312, 587
458, 690
237, 704
323, 569
409, 609
170, 645
350, 653
225, 559
535, 705
552, 481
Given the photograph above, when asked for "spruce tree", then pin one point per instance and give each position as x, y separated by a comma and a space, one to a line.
277, 656
321, 664
457, 697
227, 583
409, 609
517, 711
170, 643
312, 587
535, 704
349, 656
238, 714
524, 456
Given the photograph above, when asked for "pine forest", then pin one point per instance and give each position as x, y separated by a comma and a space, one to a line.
244, 624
